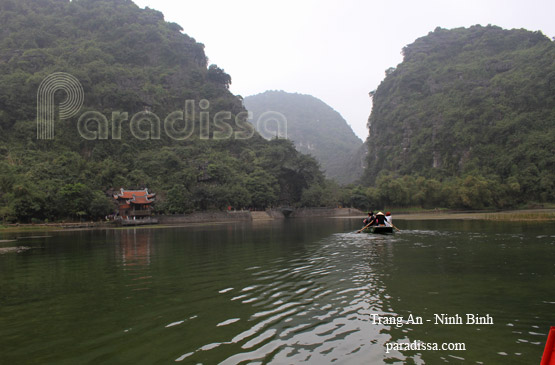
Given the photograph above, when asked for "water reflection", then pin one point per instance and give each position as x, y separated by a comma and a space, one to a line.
134, 247
314, 306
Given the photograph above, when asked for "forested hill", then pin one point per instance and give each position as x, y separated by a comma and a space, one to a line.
314, 127
128, 60
473, 111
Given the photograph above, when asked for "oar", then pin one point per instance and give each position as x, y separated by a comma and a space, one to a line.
362, 229
395, 227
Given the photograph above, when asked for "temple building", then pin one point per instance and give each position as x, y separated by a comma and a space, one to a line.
134, 204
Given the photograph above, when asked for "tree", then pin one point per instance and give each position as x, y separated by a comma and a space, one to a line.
177, 201
312, 197
217, 75
27, 203
263, 189
100, 205
75, 200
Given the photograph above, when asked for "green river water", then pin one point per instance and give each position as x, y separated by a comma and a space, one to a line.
283, 292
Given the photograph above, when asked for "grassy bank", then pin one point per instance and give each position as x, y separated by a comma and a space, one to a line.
529, 215
521, 216
27, 228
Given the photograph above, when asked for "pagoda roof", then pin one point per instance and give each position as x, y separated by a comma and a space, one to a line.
140, 200
135, 195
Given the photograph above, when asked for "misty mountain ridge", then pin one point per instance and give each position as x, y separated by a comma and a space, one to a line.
314, 127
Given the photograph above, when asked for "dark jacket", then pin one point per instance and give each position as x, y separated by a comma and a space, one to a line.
368, 220
381, 219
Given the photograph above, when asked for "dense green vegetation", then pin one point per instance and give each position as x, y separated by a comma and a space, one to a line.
315, 128
467, 120
128, 59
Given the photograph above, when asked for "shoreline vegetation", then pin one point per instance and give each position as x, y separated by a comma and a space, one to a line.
524, 215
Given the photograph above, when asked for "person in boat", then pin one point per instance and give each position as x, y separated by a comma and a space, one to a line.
389, 222
369, 220
380, 219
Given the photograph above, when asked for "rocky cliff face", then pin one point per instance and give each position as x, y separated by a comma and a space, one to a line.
477, 101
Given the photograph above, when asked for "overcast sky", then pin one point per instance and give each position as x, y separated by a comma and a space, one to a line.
335, 50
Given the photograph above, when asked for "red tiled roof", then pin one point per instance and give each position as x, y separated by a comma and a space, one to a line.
128, 194
135, 196
140, 200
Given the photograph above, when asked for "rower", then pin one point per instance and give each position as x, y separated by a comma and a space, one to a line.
369, 220
389, 218
380, 219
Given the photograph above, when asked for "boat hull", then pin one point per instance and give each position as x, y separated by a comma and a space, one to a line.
379, 230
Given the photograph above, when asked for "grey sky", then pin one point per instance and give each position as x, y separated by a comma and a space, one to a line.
334, 50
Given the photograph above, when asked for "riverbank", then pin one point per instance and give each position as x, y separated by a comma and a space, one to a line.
208, 217
50, 227
268, 214
527, 215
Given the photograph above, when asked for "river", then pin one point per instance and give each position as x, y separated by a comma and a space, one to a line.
284, 292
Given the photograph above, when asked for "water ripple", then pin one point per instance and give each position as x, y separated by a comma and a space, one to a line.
313, 307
